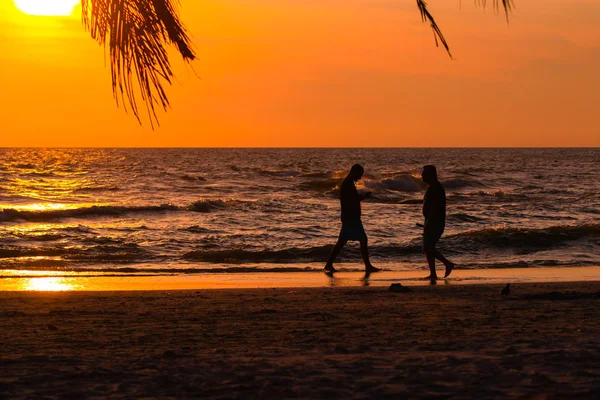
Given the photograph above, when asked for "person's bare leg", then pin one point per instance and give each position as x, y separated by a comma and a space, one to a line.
334, 253
431, 261
449, 264
364, 251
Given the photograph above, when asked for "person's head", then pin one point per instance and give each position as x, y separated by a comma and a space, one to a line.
356, 172
429, 174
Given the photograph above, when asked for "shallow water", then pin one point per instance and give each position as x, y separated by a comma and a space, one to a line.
130, 211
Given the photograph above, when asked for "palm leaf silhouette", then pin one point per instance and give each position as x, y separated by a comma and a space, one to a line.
426, 16
138, 32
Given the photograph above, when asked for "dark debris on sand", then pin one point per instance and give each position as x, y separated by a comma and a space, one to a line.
398, 288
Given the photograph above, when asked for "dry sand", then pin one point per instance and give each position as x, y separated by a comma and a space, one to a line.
432, 342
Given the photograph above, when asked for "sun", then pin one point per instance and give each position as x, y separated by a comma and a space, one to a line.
47, 7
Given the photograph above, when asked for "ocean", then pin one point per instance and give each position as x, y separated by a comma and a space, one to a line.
199, 211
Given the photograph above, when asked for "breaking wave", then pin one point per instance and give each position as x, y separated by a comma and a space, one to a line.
518, 238
411, 183
404, 183
193, 178
322, 185
280, 173
292, 255
204, 206
461, 183
467, 242
118, 253
10, 214
463, 217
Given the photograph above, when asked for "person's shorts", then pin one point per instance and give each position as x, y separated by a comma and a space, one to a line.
353, 230
431, 236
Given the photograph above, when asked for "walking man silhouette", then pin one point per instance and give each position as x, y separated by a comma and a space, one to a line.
434, 211
352, 227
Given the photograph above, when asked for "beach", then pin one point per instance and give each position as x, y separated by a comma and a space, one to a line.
197, 273
459, 341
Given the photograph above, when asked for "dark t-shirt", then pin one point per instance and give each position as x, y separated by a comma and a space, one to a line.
434, 205
350, 200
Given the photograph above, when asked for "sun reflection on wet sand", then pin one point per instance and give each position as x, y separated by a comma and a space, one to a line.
40, 281
48, 285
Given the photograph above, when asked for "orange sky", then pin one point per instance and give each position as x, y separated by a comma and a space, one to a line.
326, 73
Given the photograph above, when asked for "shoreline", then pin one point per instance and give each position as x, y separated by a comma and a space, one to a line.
60, 281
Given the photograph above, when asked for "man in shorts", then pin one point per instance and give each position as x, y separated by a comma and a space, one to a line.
434, 211
352, 228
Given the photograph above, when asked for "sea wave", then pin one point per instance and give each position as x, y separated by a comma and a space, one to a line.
493, 196
101, 249
280, 173
9, 214
461, 183
519, 238
14, 252
411, 183
382, 198
239, 255
196, 229
336, 174
322, 185
110, 252
462, 243
24, 166
292, 255
206, 205
193, 178
463, 217
202, 205
42, 234
40, 174
404, 183
98, 188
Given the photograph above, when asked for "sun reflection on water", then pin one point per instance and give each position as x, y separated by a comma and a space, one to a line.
48, 285
46, 206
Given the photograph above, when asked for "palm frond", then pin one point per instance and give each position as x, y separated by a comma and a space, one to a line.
508, 5
437, 32
137, 34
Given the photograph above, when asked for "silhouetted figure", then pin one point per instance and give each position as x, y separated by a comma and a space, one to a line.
352, 228
506, 291
434, 211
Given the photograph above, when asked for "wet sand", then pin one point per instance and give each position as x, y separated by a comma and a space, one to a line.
459, 341
16, 280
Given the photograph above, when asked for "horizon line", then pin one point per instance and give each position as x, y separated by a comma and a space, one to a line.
299, 147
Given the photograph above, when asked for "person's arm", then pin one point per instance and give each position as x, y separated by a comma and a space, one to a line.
355, 196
